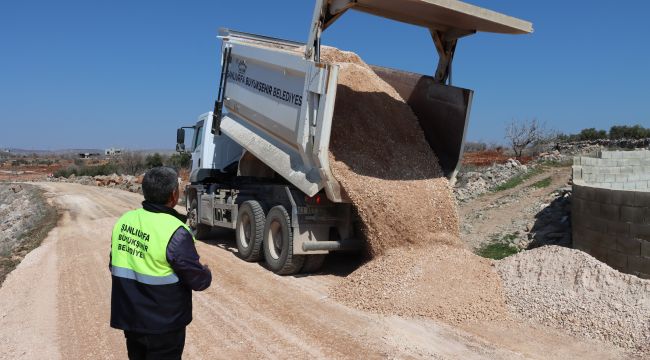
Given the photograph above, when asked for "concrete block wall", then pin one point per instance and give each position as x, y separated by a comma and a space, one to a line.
622, 170
608, 221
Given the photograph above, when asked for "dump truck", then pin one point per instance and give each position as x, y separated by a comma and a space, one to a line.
260, 160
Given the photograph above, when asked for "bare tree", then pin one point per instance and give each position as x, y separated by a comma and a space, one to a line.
132, 163
523, 133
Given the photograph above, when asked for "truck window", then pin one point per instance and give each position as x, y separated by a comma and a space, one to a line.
198, 138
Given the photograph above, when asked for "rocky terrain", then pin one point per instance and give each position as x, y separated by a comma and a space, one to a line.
25, 219
123, 182
525, 206
554, 285
473, 183
590, 146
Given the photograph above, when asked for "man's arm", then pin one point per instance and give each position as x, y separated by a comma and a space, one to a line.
183, 258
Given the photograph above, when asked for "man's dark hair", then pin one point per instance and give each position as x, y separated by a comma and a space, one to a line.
159, 184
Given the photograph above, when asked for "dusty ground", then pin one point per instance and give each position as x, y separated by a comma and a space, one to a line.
29, 172
55, 305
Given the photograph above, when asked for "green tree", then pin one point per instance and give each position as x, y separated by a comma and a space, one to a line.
154, 160
180, 160
628, 132
592, 134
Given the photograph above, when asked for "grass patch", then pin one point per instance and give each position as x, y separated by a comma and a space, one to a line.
518, 180
557, 164
499, 248
496, 251
546, 182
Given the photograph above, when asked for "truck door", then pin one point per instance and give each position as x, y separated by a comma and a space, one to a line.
197, 146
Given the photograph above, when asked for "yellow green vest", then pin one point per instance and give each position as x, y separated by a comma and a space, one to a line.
139, 247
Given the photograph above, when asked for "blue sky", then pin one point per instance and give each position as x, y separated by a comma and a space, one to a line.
95, 74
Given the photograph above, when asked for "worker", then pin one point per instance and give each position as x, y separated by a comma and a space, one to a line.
155, 266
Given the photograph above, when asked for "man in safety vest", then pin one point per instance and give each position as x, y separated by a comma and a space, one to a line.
155, 267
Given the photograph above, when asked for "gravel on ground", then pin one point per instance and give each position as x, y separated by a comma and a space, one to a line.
569, 289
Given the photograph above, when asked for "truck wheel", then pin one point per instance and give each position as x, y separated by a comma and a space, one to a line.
278, 243
200, 231
313, 263
249, 230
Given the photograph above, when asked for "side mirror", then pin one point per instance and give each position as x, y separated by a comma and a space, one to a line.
180, 136
180, 140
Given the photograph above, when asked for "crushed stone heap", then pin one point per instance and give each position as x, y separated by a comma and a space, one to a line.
383, 162
381, 158
569, 289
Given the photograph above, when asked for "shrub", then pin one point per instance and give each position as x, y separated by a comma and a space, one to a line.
592, 134
154, 160
180, 161
628, 132
104, 169
132, 163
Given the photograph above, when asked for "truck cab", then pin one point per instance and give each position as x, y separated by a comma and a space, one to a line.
212, 154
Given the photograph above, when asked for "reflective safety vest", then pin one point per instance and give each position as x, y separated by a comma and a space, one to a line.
139, 247
147, 296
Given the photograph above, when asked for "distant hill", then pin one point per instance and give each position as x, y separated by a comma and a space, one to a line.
54, 152
82, 151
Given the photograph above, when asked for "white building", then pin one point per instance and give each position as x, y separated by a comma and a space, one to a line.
112, 152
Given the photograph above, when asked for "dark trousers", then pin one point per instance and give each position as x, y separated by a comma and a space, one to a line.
168, 346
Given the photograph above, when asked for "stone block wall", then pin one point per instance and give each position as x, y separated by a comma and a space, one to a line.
608, 222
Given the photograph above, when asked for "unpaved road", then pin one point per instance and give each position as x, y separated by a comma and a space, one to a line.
55, 305
516, 204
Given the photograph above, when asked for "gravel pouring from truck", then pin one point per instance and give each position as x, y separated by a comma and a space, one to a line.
263, 166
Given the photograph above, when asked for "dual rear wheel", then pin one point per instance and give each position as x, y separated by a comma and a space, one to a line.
271, 236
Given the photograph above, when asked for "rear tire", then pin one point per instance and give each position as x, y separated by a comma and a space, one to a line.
278, 243
313, 263
249, 230
200, 231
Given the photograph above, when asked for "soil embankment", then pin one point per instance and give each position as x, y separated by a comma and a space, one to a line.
26, 218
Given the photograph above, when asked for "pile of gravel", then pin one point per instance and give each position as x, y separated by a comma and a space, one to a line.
382, 160
568, 289
385, 165
439, 282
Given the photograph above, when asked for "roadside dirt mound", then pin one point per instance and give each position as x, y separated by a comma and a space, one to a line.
384, 163
568, 289
381, 158
25, 219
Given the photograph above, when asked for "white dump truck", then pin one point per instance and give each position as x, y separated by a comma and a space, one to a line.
260, 160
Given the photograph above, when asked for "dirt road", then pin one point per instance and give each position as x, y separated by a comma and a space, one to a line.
514, 206
55, 305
